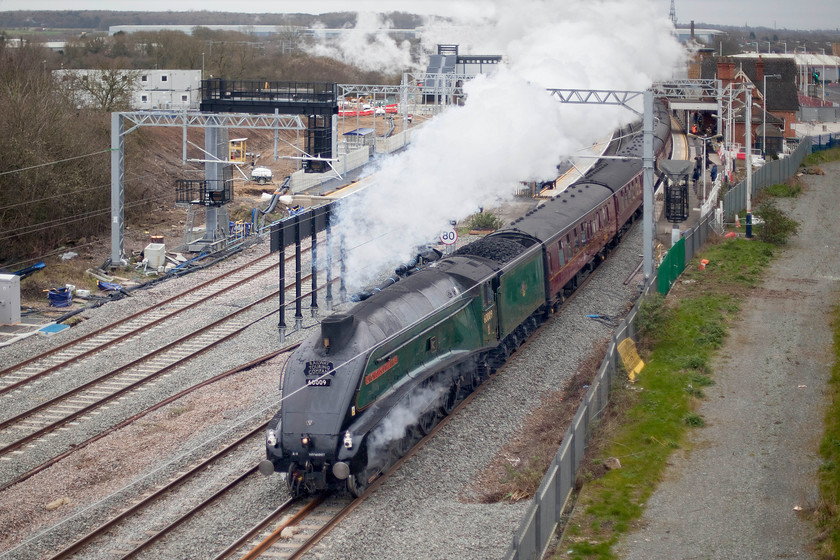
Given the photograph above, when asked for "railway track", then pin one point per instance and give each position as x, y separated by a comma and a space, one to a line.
124, 548
289, 531
26, 430
58, 358
152, 408
292, 529
245, 435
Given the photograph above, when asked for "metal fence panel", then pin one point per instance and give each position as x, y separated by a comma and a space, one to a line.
605, 386
825, 141
546, 510
671, 266
566, 472
773, 172
579, 436
528, 543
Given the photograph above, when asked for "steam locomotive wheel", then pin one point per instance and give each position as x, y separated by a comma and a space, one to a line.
449, 401
428, 420
357, 484
400, 446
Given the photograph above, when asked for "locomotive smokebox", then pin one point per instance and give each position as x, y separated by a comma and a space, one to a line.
336, 330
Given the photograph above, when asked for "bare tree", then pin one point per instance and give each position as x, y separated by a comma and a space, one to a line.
106, 89
53, 160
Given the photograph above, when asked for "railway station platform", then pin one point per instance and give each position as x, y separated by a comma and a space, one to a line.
684, 148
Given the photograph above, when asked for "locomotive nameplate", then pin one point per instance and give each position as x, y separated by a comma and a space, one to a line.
377, 373
318, 368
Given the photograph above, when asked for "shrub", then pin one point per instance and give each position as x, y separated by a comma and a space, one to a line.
694, 420
777, 226
485, 220
821, 156
651, 318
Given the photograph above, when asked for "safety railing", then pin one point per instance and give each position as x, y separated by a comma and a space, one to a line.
771, 173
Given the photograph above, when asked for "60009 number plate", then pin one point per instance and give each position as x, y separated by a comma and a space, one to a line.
323, 382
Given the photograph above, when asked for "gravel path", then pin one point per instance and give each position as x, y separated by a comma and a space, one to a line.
731, 492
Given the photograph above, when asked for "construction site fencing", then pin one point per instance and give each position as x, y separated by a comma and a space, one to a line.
531, 539
771, 173
824, 142
302, 181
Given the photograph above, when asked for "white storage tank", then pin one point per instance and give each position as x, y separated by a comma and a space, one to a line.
9, 299
155, 254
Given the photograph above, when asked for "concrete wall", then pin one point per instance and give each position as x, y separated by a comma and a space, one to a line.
819, 114
301, 181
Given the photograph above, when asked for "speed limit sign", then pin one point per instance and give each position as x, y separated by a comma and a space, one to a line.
448, 236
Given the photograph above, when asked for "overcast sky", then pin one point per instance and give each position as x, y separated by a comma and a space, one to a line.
779, 14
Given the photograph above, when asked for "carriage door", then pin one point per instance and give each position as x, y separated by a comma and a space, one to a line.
490, 320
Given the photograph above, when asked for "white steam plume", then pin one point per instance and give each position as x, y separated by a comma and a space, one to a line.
394, 425
509, 129
367, 46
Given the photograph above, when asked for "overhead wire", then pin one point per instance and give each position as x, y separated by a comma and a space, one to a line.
26, 230
54, 162
71, 193
51, 197
75, 218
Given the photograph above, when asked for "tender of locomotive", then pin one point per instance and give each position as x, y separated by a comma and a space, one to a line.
359, 393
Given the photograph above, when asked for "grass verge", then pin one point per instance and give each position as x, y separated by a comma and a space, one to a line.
828, 510
822, 156
656, 414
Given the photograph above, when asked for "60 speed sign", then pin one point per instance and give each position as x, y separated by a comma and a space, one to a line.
448, 236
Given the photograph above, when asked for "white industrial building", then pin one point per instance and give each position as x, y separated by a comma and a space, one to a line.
168, 89
156, 89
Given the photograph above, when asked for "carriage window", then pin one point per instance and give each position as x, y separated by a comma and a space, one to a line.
583, 234
562, 253
487, 295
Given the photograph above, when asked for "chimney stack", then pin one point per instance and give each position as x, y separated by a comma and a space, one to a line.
726, 71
